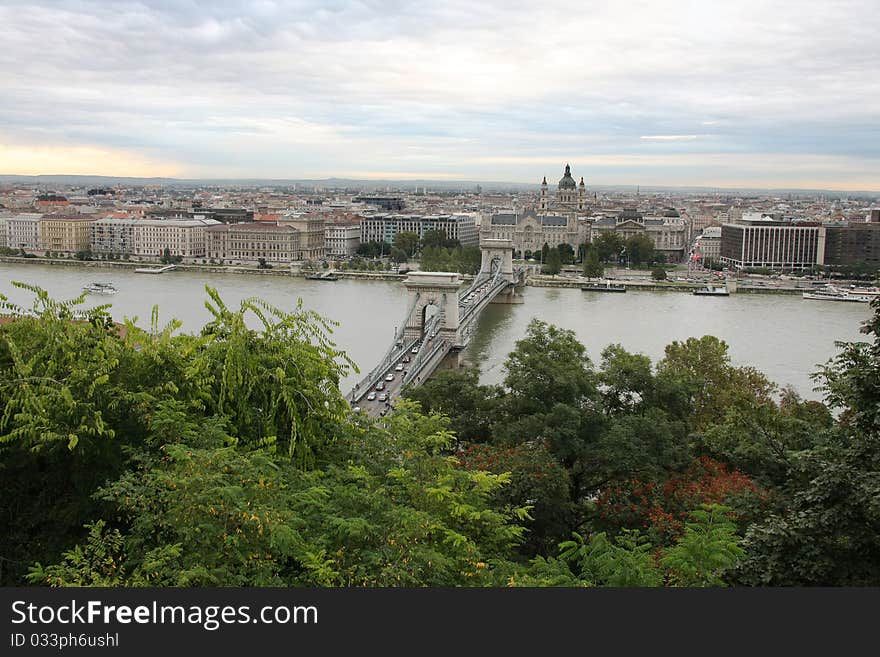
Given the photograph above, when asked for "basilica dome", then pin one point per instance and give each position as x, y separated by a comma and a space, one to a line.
567, 182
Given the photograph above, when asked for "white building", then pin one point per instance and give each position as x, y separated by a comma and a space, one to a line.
182, 237
23, 231
342, 240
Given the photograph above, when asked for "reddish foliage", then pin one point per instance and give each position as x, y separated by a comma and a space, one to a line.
662, 508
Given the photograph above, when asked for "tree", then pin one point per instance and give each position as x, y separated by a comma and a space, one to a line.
470, 407
553, 263
545, 252
593, 267
398, 255
658, 273
609, 245
566, 253
547, 367
437, 239
408, 242
639, 249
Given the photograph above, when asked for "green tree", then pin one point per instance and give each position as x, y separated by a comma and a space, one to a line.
707, 550
408, 242
639, 249
553, 263
566, 253
608, 245
593, 267
658, 273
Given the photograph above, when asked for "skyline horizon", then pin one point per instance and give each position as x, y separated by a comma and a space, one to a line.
756, 94
6, 178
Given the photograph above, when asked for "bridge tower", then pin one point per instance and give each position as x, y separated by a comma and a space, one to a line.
437, 289
498, 253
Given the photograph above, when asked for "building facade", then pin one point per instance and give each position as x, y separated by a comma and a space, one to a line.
311, 235
181, 237
384, 227
342, 240
529, 231
251, 242
111, 235
23, 231
772, 245
853, 244
65, 234
668, 234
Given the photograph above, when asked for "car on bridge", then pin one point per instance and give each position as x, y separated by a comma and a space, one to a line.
399, 367
415, 349
389, 377
371, 396
380, 385
383, 397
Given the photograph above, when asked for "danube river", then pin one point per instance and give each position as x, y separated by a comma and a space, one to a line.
784, 336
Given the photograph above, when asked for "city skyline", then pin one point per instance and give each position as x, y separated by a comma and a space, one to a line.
778, 95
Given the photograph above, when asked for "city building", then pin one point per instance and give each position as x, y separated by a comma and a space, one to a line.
529, 231
772, 244
570, 197
65, 233
852, 244
113, 235
181, 237
708, 244
311, 234
342, 240
668, 233
251, 242
383, 227
23, 231
385, 203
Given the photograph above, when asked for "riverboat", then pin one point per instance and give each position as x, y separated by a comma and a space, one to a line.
607, 286
831, 293
100, 288
712, 291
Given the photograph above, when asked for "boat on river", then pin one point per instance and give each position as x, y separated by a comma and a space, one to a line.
100, 288
607, 286
712, 291
325, 276
831, 293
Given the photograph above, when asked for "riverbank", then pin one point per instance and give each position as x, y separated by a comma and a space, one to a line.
535, 280
657, 286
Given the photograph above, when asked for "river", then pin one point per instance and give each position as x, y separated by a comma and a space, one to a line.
784, 336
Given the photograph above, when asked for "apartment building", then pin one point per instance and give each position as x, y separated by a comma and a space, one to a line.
182, 237
65, 233
772, 244
113, 235
342, 240
251, 242
23, 231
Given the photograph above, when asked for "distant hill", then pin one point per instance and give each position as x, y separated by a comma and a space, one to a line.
394, 185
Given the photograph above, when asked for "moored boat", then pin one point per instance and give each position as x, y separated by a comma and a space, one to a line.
607, 286
712, 291
831, 293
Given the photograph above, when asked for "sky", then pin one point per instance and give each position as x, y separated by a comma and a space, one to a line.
704, 92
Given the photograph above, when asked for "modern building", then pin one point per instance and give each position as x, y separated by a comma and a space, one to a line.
113, 235
384, 227
342, 240
385, 203
311, 234
65, 233
853, 244
772, 244
251, 242
529, 231
23, 231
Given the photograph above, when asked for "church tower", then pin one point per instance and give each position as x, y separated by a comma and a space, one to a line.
544, 201
582, 195
565, 191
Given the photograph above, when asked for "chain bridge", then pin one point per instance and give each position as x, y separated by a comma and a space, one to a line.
438, 325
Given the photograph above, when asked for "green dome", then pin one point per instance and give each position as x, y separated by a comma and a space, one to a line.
567, 182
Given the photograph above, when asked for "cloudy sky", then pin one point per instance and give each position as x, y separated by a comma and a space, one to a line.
704, 92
